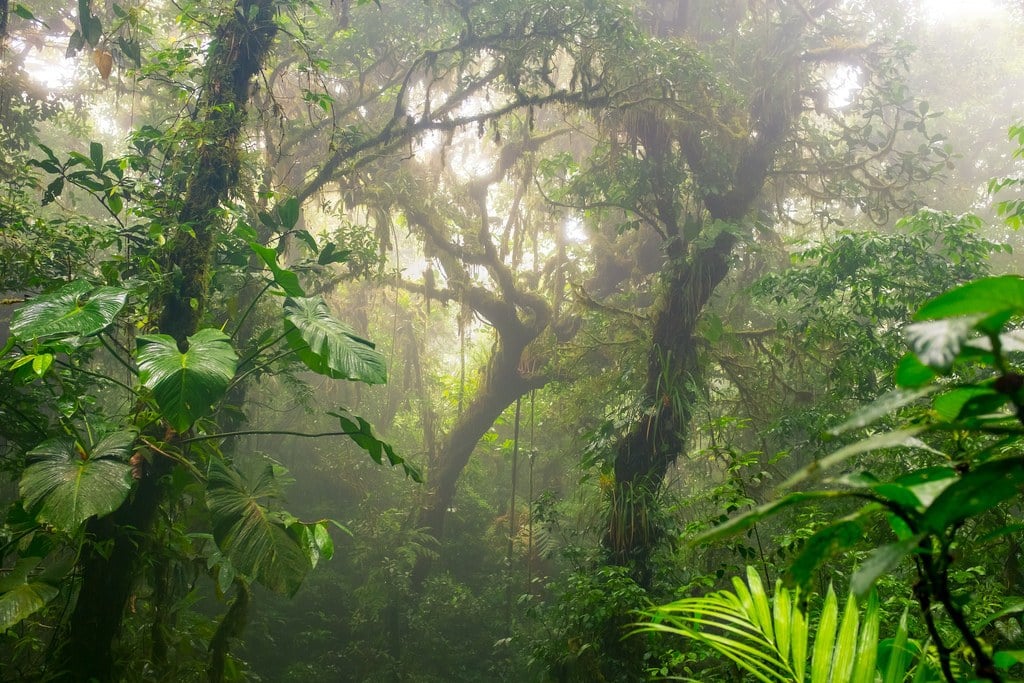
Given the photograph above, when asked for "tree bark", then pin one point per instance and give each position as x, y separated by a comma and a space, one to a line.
112, 562
691, 275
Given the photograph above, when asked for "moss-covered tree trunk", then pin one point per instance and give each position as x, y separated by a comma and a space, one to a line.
112, 563
728, 192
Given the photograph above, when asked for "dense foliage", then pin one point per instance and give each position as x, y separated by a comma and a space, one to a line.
640, 279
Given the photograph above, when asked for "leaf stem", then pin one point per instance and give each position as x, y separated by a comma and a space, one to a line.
270, 432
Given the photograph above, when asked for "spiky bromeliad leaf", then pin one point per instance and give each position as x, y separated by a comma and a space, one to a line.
21, 596
76, 309
70, 485
252, 537
328, 346
775, 647
186, 385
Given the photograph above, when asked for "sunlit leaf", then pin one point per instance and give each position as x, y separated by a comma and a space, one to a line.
825, 639
328, 346
186, 385
69, 485
867, 645
906, 438
983, 297
76, 309
845, 654
967, 401
938, 342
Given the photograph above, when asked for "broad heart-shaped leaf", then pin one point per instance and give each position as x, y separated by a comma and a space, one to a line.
186, 385
21, 596
76, 309
252, 537
984, 297
69, 485
328, 346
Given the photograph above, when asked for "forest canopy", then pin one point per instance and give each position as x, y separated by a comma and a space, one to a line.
462, 340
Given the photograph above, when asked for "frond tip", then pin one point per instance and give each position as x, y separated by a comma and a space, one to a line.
770, 637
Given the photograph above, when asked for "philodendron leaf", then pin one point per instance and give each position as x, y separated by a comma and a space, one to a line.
21, 596
186, 385
328, 346
250, 535
69, 485
76, 309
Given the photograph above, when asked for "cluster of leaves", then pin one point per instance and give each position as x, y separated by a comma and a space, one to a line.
964, 348
774, 638
93, 434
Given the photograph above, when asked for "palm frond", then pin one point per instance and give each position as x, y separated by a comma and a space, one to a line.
769, 637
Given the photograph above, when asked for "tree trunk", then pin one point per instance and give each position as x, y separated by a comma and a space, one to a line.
503, 385
644, 454
112, 563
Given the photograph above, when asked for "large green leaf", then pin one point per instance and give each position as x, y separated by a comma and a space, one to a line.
978, 490
21, 595
76, 309
70, 485
186, 385
984, 297
251, 536
905, 438
284, 278
328, 346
